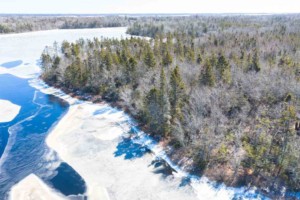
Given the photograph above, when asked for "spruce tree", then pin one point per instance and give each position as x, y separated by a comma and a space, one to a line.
167, 59
199, 59
207, 77
177, 93
149, 58
130, 71
223, 69
152, 110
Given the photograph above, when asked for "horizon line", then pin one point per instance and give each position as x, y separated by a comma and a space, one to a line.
183, 13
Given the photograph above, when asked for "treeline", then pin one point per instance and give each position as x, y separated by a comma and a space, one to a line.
18, 24
226, 101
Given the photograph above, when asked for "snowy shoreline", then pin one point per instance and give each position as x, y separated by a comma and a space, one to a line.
101, 127
88, 125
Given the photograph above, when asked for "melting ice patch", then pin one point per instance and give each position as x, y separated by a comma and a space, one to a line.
11, 64
8, 111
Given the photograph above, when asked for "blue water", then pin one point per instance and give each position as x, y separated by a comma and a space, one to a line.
22, 141
12, 64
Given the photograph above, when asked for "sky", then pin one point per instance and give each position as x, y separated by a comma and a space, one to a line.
147, 6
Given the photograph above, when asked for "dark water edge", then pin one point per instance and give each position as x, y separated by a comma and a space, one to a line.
22, 141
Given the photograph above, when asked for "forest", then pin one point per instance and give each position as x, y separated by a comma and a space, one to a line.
27, 23
222, 92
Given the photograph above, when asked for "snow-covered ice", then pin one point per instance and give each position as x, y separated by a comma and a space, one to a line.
8, 111
33, 188
28, 47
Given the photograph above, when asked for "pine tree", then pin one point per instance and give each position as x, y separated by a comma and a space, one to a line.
207, 77
179, 50
108, 60
130, 71
167, 59
177, 94
56, 62
190, 55
75, 50
152, 110
199, 59
149, 58
223, 69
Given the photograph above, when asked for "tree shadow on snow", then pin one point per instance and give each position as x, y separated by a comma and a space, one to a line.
130, 150
162, 167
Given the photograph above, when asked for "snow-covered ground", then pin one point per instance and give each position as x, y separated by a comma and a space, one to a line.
8, 111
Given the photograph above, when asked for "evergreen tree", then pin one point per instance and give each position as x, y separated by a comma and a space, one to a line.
190, 55
56, 62
179, 48
108, 60
149, 58
167, 59
199, 59
213, 60
130, 71
75, 50
177, 94
65, 46
207, 77
223, 69
152, 110
254, 65
46, 61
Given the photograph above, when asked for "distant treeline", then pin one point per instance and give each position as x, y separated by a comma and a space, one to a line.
223, 92
18, 24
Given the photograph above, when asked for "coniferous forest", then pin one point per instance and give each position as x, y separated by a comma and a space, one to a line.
222, 92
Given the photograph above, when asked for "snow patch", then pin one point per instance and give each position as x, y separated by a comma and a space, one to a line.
33, 188
8, 111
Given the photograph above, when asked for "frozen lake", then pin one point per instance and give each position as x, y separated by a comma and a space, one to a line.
27, 115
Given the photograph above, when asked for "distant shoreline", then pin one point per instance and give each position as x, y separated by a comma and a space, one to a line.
137, 14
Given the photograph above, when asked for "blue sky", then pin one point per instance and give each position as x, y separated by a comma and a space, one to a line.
149, 6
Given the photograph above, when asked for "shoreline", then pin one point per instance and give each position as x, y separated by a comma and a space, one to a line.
70, 133
113, 128
83, 112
